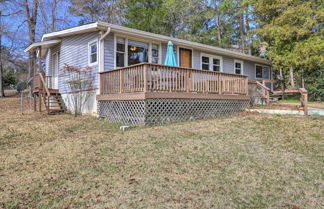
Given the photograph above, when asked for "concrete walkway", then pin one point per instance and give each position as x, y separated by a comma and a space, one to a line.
311, 111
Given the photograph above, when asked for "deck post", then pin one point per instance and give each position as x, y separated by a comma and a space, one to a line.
305, 103
35, 100
188, 81
145, 77
121, 81
220, 84
40, 60
247, 86
40, 102
304, 100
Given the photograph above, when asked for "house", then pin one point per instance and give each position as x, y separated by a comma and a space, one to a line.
130, 75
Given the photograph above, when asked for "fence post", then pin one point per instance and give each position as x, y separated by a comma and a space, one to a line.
304, 100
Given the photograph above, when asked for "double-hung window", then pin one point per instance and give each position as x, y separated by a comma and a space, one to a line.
155, 53
262, 72
238, 67
120, 52
93, 53
212, 63
205, 63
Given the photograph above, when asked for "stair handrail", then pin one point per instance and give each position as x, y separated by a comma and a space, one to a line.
44, 85
265, 92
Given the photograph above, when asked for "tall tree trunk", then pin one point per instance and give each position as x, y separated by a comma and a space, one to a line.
1, 70
31, 20
247, 26
218, 23
242, 31
291, 77
54, 7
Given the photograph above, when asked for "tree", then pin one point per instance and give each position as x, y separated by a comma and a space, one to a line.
97, 10
31, 17
81, 86
1, 64
147, 15
293, 32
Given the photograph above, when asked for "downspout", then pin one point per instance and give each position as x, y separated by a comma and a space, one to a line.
101, 47
101, 60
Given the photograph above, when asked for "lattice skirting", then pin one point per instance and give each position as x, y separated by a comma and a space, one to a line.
160, 111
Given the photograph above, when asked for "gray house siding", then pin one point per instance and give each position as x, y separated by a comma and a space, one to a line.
48, 62
74, 51
49, 59
109, 55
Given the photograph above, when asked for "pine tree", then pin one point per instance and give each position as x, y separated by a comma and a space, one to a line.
293, 31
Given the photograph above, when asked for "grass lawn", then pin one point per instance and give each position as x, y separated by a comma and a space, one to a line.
243, 161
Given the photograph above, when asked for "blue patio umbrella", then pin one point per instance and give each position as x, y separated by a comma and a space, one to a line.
170, 58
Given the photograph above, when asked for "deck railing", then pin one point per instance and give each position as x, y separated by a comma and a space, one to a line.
147, 77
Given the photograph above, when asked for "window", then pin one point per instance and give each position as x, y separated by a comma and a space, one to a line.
262, 72
130, 52
238, 67
137, 52
210, 62
93, 53
205, 63
120, 52
155, 53
216, 64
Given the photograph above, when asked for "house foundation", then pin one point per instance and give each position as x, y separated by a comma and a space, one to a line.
161, 111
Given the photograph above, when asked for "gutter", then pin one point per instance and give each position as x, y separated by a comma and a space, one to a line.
105, 34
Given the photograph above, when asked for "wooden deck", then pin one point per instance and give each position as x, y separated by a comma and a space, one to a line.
146, 80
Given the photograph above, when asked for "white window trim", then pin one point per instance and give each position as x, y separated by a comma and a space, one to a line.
89, 52
242, 66
262, 72
150, 51
149, 42
211, 57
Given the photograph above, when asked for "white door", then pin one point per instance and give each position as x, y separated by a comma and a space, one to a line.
55, 71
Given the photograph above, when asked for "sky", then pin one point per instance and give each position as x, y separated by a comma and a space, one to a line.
15, 29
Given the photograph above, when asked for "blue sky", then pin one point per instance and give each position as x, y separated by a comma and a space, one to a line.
15, 27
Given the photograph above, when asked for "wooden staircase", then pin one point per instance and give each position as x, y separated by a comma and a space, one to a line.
50, 97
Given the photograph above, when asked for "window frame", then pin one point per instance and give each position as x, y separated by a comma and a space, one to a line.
126, 38
90, 43
211, 62
136, 40
151, 54
242, 66
263, 66
124, 52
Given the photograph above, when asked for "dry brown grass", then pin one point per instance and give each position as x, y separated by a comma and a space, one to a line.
243, 161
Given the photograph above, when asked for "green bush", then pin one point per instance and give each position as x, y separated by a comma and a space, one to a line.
314, 83
9, 77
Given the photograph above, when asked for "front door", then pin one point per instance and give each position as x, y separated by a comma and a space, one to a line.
55, 71
185, 56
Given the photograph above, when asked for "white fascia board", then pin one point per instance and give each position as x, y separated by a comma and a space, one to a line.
44, 44
71, 31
